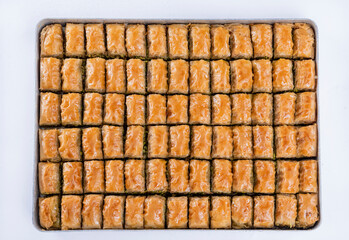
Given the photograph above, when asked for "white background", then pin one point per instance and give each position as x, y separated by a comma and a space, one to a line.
18, 20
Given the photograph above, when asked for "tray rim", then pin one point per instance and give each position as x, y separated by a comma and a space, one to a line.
45, 21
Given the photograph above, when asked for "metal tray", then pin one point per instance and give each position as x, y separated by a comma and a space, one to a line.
47, 21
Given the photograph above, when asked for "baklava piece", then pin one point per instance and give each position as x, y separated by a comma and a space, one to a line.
199, 109
287, 177
157, 42
282, 75
178, 41
49, 109
51, 40
71, 206
156, 109
201, 141
134, 142
220, 212
113, 212
134, 175
307, 141
134, 212
178, 171
154, 212
157, 141
263, 138
157, 76
264, 172
243, 176
93, 108
199, 212
114, 176
220, 42
114, 109
285, 210
177, 109
179, 141
221, 109
74, 40
92, 211
262, 109
285, 108
241, 211
116, 39
285, 142
156, 175
48, 140
199, 176
263, 212
135, 109
71, 109
308, 213
72, 75
49, 212
262, 39
177, 212
94, 177
92, 143
220, 77
112, 142
283, 42
241, 76
242, 142
303, 38
95, 75
199, 78
135, 71
222, 179
70, 144
222, 142
115, 76
72, 178
135, 40
241, 108
305, 108
262, 76
95, 42
304, 73
50, 76
179, 76
49, 178
308, 176
240, 41
200, 41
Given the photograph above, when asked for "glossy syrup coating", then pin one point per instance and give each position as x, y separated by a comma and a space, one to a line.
49, 212
154, 212
74, 40
52, 41
50, 78
116, 39
113, 212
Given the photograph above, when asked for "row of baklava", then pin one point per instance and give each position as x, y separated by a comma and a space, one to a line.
179, 176
201, 142
176, 76
194, 41
77, 109
96, 211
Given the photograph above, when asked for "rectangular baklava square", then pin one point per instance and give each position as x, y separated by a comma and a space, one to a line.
199, 109
263, 141
177, 109
95, 75
94, 177
240, 41
51, 41
285, 142
241, 108
199, 176
222, 176
308, 176
264, 173
201, 141
262, 109
303, 39
115, 71
135, 40
92, 143
134, 142
304, 74
262, 39
199, 77
179, 141
135, 109
134, 214
283, 40
71, 207
177, 212
220, 212
221, 109
157, 41
71, 106
241, 76
156, 106
220, 42
72, 178
308, 213
199, 212
70, 144
242, 142
178, 171
200, 41
95, 39
114, 176
157, 141
50, 75
116, 39
156, 175
262, 76
157, 76
154, 212
178, 46
220, 77
222, 142
92, 211
49, 212
287, 177
285, 210
93, 109
241, 211
305, 108
49, 109
135, 72
307, 141
49, 178
113, 143
74, 40
284, 108
114, 109
72, 75
243, 176
113, 212
135, 175
178, 76
282, 75
49, 145
263, 214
